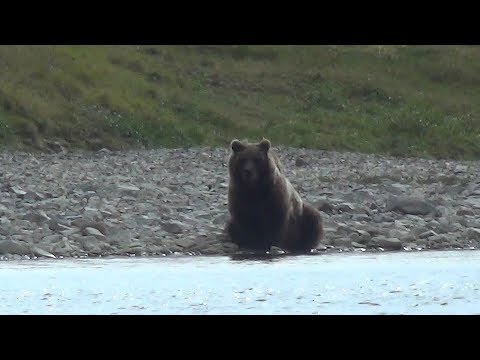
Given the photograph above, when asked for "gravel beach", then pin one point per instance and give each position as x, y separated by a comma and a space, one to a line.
168, 202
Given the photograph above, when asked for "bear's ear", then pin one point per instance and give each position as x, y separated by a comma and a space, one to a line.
237, 146
265, 144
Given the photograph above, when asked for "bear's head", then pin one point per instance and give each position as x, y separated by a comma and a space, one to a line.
251, 164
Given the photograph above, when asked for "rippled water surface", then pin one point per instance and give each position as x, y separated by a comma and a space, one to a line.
446, 282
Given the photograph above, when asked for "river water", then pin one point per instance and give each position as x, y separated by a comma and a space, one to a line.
437, 282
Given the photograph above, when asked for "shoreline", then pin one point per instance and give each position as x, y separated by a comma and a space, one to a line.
168, 201
233, 256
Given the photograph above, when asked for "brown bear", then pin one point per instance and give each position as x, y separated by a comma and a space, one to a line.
265, 210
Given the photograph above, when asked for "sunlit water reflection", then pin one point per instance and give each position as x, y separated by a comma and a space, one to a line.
445, 282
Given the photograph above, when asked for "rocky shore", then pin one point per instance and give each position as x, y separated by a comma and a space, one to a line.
174, 202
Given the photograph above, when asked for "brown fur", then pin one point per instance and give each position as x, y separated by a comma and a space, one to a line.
264, 207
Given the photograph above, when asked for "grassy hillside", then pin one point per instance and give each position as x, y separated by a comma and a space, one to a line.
401, 100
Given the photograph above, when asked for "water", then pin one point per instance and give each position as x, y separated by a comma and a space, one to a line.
446, 282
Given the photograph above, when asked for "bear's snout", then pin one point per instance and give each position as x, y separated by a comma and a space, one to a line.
248, 171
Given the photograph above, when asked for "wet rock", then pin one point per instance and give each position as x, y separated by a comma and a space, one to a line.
201, 242
173, 226
473, 234
373, 231
69, 232
42, 253
185, 243
465, 212
361, 217
54, 204
121, 237
64, 247
53, 225
18, 191
411, 206
457, 227
4, 210
342, 242
460, 169
213, 250
469, 222
325, 207
437, 238
345, 207
473, 202
84, 223
373, 206
421, 242
443, 226
274, 250
128, 189
397, 188
408, 238
395, 233
441, 211
104, 151
358, 245
5, 226
390, 243
229, 246
381, 218
355, 237
410, 246
221, 219
49, 239
56, 146
37, 217
427, 234
137, 250
300, 162
13, 247
364, 238
90, 244
23, 238
24, 224
172, 246
93, 232
33, 196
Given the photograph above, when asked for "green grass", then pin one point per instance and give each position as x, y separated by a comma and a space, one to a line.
397, 100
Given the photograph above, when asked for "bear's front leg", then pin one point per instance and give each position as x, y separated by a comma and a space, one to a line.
279, 236
248, 237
